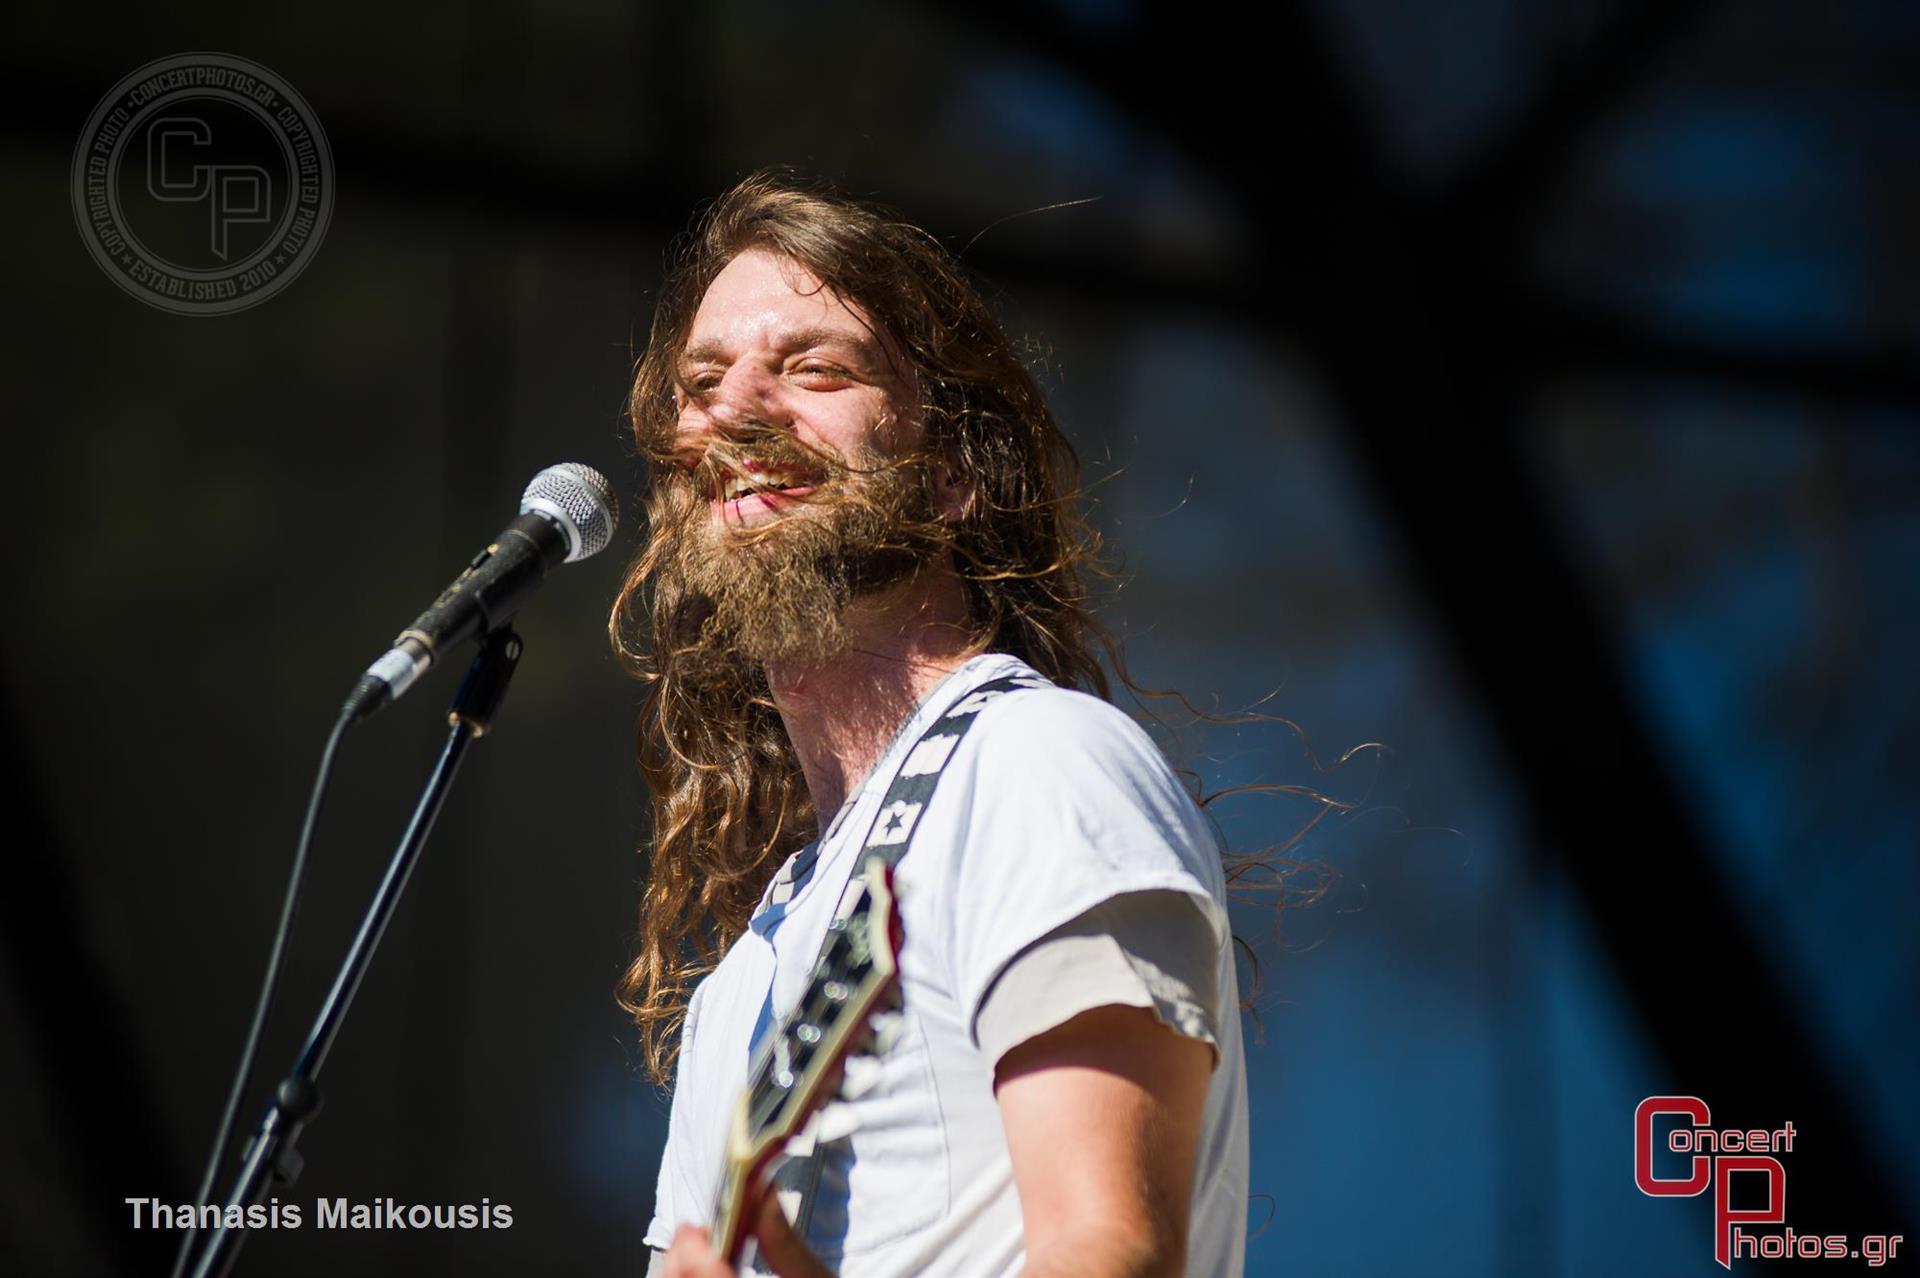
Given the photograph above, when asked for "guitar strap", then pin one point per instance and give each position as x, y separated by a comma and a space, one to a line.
912, 787
888, 840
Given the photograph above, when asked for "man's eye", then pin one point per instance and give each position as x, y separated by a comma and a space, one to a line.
818, 370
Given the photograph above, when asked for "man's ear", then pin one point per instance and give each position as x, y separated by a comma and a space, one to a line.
953, 496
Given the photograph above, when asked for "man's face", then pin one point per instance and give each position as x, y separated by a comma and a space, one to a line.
793, 413
774, 356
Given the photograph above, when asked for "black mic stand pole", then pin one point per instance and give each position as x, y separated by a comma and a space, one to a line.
270, 1160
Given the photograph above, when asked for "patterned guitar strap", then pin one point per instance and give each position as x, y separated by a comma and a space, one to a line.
797, 1180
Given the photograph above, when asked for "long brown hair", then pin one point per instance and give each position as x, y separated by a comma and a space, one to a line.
729, 801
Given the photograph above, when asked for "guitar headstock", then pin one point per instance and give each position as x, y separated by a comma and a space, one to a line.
799, 1066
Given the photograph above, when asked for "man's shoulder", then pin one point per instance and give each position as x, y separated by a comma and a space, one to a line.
1049, 757
1046, 726
1057, 801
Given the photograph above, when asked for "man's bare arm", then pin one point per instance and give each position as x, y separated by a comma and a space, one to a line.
1102, 1117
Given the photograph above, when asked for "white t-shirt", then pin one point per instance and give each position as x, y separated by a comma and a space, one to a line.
1053, 803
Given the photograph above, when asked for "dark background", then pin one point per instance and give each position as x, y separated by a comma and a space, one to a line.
1529, 387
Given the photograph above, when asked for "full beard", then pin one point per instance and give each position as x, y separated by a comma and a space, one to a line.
730, 600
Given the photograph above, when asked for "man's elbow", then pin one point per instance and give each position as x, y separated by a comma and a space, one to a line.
1132, 1248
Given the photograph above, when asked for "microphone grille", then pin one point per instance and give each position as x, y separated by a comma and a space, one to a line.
581, 499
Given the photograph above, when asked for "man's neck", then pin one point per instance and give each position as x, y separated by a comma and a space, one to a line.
842, 713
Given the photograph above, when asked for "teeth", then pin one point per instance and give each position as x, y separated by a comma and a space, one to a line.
737, 485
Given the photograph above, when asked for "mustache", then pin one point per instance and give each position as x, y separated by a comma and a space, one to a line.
701, 466
742, 449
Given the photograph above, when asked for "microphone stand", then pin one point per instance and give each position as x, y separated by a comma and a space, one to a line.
270, 1160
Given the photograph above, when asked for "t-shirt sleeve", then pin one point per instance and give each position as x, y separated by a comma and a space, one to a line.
1066, 803
1151, 950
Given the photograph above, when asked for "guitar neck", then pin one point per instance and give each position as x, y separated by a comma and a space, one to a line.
798, 1067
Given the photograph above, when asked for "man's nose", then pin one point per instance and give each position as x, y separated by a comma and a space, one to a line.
732, 411
745, 394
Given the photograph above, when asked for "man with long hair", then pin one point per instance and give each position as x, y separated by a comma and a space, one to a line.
860, 512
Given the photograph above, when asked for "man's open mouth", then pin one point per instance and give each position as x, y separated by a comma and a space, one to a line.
775, 480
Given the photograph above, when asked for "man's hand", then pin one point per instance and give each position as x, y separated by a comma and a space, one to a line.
692, 1254
1103, 1117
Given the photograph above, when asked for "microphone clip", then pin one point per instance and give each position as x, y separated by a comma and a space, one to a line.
486, 682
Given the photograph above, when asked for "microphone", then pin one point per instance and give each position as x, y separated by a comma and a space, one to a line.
568, 512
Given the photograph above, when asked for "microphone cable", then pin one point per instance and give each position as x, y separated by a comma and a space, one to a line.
567, 512
289, 907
